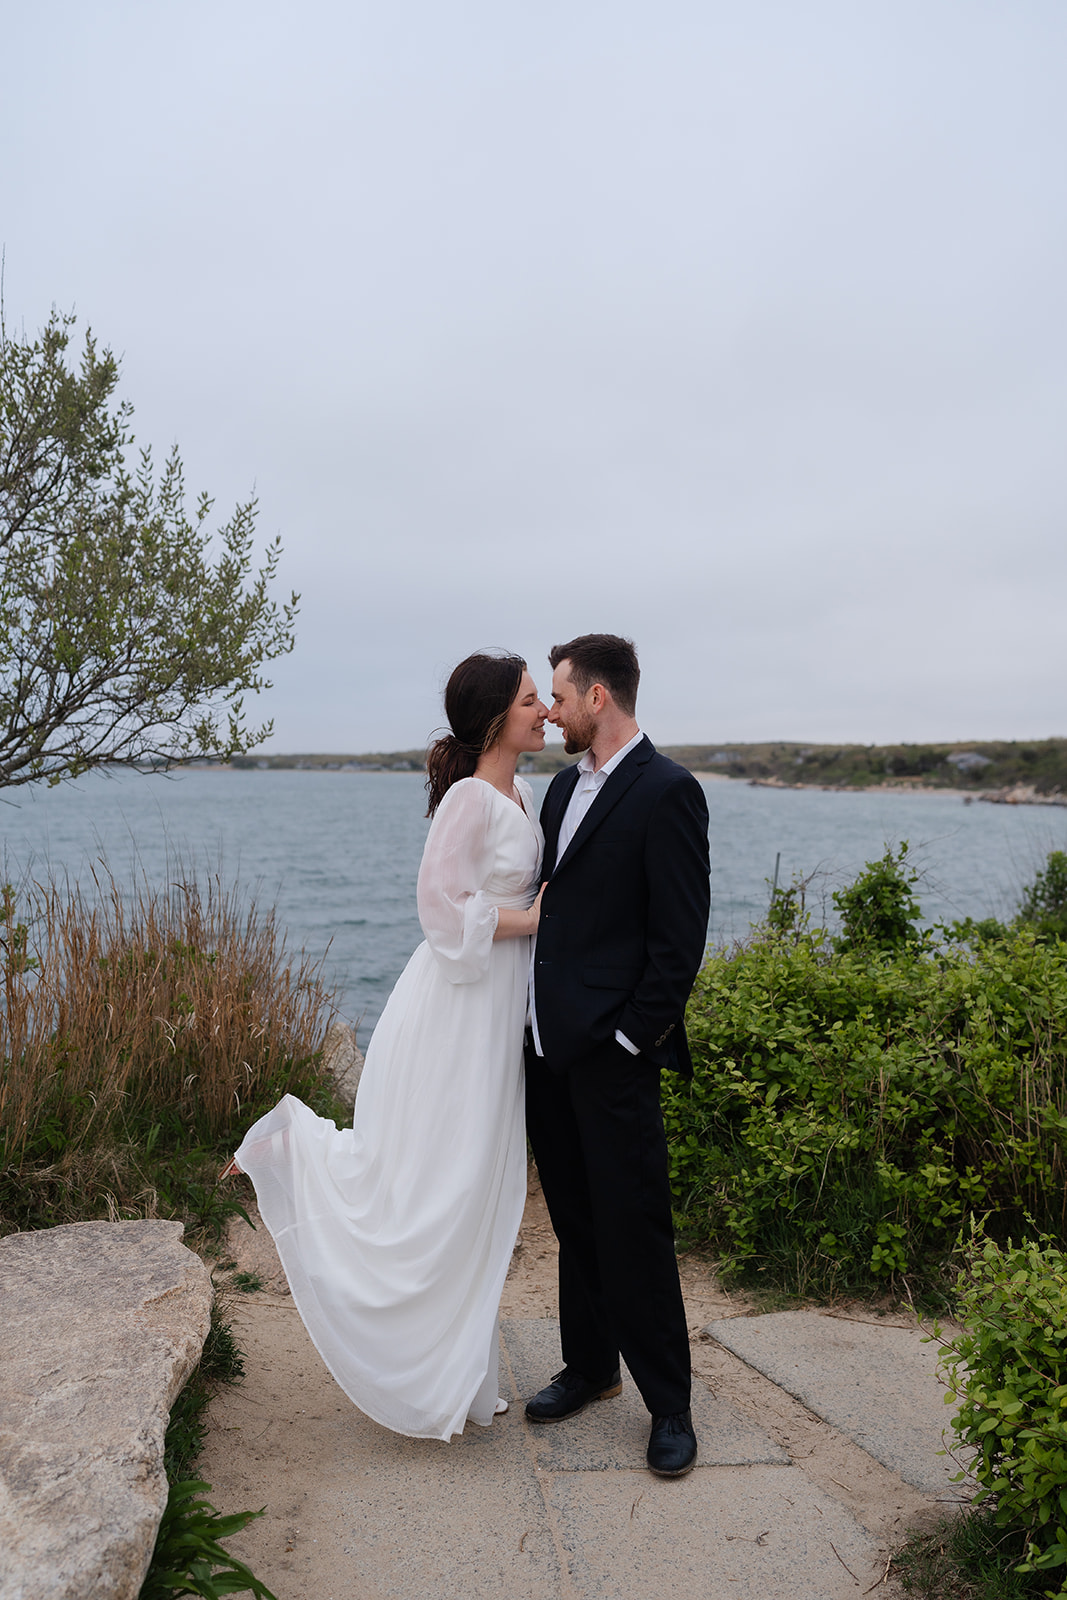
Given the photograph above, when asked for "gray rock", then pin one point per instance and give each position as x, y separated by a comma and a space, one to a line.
343, 1059
102, 1324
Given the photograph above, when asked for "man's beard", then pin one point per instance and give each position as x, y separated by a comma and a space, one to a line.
578, 735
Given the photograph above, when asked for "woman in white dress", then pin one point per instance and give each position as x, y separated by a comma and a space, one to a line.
396, 1234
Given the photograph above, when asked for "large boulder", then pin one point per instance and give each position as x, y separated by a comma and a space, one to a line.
102, 1324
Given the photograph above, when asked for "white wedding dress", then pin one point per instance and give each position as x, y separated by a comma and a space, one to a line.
396, 1234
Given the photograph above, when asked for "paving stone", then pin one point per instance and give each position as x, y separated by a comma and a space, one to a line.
728, 1533
613, 1433
875, 1383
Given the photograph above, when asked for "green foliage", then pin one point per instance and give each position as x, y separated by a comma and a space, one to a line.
1042, 909
247, 1282
853, 1105
188, 1557
1044, 902
967, 1558
879, 909
121, 641
220, 1362
1008, 1370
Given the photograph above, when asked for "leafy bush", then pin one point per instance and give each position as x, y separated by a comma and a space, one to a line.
1044, 902
1008, 1368
879, 910
852, 1104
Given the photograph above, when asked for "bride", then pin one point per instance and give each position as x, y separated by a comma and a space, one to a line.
396, 1234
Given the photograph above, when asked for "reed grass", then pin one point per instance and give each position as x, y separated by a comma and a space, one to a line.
140, 1032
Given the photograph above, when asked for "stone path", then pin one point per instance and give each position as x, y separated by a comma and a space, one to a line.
819, 1441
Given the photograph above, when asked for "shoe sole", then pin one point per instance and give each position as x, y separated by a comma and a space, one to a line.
679, 1472
605, 1394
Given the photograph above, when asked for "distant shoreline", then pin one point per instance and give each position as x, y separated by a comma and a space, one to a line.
1017, 794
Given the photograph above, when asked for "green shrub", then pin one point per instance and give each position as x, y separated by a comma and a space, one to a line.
879, 910
852, 1104
1008, 1368
1044, 902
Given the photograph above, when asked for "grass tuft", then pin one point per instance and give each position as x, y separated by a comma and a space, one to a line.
969, 1559
141, 1034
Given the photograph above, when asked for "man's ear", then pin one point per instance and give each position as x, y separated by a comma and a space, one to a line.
598, 697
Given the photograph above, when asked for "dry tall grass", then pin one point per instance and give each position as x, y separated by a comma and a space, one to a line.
179, 1007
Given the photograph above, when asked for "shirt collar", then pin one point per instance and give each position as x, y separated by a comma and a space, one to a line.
585, 765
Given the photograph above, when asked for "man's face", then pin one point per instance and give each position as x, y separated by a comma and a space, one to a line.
571, 712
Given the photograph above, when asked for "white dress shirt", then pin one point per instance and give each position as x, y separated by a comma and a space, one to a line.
590, 782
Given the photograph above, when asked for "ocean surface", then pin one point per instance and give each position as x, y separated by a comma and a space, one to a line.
337, 853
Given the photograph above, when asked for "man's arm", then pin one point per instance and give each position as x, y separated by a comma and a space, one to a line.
679, 899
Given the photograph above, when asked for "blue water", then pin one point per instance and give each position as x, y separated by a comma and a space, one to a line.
337, 853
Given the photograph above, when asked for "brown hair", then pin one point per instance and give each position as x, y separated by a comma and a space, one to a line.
602, 658
478, 697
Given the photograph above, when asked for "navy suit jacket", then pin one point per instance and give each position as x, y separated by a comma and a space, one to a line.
624, 917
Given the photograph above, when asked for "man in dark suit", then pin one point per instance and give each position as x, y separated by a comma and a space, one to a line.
621, 937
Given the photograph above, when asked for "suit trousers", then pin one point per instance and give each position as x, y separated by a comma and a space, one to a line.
598, 1140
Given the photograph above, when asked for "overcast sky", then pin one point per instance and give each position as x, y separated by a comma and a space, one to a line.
735, 328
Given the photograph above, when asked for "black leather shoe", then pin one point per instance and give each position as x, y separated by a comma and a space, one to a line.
672, 1445
568, 1393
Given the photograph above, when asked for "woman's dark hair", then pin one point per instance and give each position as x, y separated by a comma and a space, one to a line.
602, 658
478, 698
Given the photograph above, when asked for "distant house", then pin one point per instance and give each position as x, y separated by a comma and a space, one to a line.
968, 761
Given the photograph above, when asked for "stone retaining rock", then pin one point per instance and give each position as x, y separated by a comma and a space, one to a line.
102, 1323
343, 1058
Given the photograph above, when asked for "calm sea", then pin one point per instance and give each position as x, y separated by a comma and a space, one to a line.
337, 853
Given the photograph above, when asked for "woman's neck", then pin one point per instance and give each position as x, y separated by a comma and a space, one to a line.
497, 767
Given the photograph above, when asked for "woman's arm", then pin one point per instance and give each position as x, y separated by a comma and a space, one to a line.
511, 923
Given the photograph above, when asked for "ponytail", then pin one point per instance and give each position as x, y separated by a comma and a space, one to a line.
447, 761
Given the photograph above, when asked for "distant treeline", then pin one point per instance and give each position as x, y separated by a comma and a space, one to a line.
987, 764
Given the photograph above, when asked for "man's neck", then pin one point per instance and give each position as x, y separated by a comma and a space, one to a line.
607, 742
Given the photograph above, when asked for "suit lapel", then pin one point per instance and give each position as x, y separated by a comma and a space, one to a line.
556, 803
625, 774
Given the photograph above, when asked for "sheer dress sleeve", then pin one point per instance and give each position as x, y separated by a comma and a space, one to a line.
457, 917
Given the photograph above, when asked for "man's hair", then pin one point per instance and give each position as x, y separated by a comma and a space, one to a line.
602, 658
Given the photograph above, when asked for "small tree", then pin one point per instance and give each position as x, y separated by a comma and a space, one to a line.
120, 640
879, 909
1044, 902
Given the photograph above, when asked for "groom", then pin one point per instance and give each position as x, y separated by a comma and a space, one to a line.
620, 939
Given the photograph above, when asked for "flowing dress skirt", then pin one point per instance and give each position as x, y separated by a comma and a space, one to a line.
396, 1234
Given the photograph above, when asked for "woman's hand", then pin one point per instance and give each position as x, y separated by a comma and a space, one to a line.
534, 912
516, 924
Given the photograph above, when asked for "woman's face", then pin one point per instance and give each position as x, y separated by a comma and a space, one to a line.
525, 725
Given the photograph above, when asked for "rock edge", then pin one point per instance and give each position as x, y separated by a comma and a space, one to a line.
103, 1323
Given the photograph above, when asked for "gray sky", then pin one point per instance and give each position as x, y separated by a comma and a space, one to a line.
736, 328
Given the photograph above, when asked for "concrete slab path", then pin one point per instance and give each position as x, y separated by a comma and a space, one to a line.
781, 1507
873, 1381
